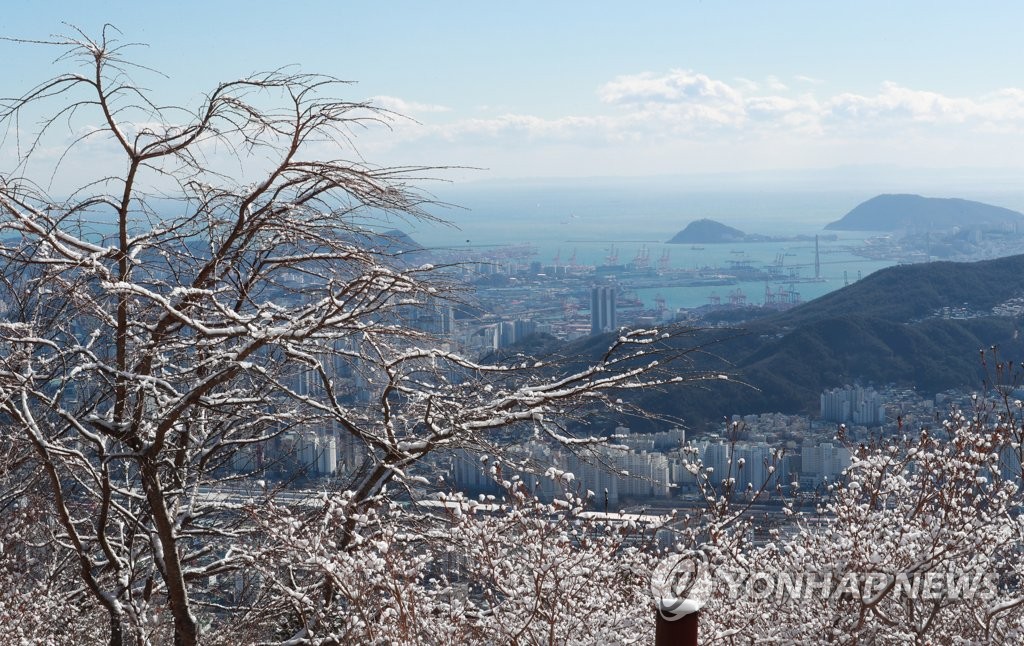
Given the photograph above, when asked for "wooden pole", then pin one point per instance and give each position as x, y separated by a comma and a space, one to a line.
681, 632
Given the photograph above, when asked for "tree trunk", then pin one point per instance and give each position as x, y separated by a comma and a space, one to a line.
186, 631
116, 635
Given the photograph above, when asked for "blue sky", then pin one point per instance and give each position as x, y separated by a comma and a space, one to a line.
573, 89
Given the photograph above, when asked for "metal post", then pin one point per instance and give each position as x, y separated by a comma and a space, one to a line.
681, 632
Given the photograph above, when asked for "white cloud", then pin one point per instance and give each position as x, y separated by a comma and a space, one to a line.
404, 107
1002, 110
682, 101
652, 117
900, 103
746, 85
775, 85
678, 86
523, 128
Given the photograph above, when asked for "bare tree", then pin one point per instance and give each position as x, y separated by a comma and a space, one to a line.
219, 292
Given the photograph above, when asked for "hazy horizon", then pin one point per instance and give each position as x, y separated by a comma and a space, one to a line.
651, 209
908, 97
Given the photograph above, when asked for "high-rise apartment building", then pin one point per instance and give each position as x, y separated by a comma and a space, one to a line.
862, 406
602, 309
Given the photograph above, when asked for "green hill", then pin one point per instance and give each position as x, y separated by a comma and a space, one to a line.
907, 292
887, 328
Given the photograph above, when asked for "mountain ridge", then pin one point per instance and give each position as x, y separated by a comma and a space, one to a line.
897, 211
890, 327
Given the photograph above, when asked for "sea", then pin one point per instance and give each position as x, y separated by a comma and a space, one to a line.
592, 225
594, 221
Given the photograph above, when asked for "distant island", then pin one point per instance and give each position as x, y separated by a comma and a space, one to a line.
898, 212
706, 231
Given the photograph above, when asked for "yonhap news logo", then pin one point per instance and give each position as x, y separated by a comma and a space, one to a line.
683, 583
866, 587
